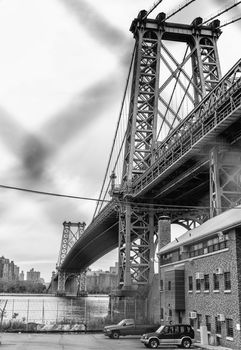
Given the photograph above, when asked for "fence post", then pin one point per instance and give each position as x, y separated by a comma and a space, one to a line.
57, 312
43, 312
71, 314
27, 315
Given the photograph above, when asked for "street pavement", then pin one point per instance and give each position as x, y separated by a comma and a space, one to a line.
89, 341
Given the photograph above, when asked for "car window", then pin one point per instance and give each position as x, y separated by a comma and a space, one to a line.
165, 330
189, 329
182, 329
176, 329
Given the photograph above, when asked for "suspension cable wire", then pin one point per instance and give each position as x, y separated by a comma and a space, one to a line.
117, 127
180, 8
230, 22
155, 4
226, 9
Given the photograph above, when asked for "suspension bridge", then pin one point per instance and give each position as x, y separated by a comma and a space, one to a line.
175, 153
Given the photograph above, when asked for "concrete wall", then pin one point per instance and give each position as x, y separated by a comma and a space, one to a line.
153, 302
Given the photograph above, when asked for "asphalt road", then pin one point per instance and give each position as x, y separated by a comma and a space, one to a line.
10, 341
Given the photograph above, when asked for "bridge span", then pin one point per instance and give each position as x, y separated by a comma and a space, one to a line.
190, 173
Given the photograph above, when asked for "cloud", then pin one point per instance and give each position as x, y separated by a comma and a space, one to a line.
96, 25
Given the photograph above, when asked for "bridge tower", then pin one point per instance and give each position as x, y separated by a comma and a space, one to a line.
71, 233
148, 110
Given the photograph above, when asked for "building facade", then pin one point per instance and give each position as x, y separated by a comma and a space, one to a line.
200, 279
33, 276
8, 270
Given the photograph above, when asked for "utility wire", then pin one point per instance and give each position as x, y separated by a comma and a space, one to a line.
221, 12
52, 193
143, 205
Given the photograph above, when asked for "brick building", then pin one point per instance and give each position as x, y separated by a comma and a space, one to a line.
200, 279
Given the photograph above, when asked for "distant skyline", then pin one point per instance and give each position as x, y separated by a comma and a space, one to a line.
63, 67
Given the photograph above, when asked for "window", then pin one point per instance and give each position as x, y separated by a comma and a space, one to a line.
170, 312
227, 281
162, 313
169, 285
161, 284
217, 326
215, 281
199, 320
191, 322
190, 283
229, 327
206, 282
198, 285
208, 322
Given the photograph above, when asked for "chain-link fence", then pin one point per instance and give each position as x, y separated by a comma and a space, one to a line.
53, 314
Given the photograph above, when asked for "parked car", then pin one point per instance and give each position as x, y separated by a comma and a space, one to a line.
127, 327
177, 334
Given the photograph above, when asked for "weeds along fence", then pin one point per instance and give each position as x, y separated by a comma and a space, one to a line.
50, 314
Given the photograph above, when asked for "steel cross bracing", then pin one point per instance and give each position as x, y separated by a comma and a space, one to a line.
71, 233
152, 104
152, 107
215, 112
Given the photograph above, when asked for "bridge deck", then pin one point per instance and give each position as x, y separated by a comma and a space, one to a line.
181, 167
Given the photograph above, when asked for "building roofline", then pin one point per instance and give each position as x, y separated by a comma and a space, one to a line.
222, 222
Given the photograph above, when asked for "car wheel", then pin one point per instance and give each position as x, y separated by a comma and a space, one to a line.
153, 343
186, 343
115, 335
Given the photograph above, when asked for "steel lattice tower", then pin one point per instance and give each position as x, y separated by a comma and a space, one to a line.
149, 110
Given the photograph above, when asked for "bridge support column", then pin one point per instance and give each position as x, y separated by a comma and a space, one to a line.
61, 284
82, 290
225, 179
136, 248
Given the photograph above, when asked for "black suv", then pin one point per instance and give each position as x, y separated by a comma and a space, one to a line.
177, 334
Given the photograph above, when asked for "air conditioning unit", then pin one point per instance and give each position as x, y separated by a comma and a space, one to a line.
220, 236
221, 317
199, 275
192, 314
219, 271
168, 318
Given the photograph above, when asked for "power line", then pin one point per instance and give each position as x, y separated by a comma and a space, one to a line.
141, 204
52, 193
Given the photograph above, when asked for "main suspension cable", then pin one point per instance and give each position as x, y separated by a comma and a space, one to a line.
230, 22
117, 127
227, 8
180, 8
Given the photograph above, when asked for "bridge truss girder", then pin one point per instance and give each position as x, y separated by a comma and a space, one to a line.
138, 240
225, 179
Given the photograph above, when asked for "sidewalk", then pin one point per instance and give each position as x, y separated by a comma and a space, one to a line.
211, 347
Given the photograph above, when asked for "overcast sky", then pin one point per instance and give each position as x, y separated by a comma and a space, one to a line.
63, 67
